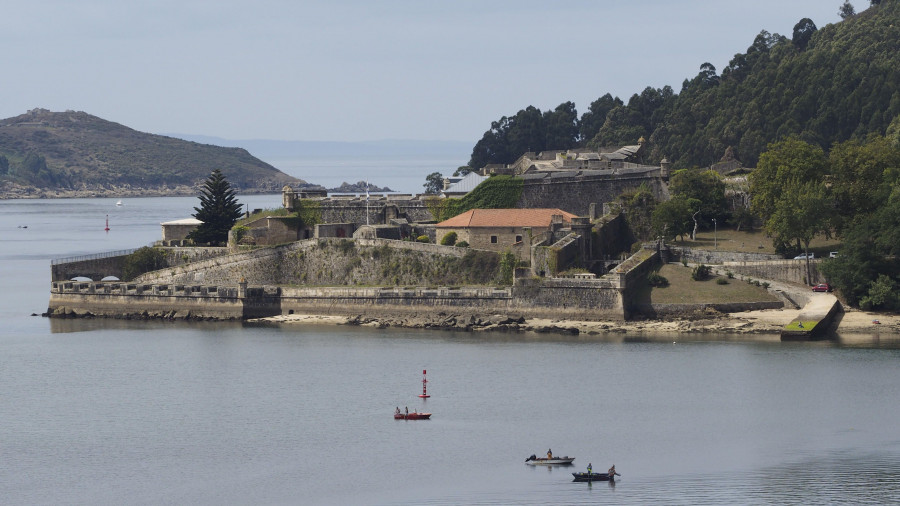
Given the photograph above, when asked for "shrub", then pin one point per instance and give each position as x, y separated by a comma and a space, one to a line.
721, 281
240, 232
700, 273
657, 280
765, 285
508, 262
346, 246
462, 244
449, 239
684, 261
730, 275
143, 260
423, 238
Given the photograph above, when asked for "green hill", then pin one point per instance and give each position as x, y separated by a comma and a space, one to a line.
825, 85
67, 152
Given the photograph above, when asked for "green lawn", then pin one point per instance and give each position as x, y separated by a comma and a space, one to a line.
727, 239
684, 290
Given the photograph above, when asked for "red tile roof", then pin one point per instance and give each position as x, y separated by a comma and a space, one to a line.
505, 218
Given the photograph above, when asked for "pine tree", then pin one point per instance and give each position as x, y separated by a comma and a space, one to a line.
219, 210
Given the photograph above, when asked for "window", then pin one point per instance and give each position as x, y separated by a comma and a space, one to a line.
518, 238
493, 239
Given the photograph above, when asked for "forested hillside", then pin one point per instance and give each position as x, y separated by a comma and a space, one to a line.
77, 151
823, 85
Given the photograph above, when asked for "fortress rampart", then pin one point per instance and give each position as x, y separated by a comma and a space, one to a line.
570, 190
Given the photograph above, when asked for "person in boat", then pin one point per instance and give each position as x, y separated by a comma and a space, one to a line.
549, 454
397, 411
612, 471
407, 410
590, 468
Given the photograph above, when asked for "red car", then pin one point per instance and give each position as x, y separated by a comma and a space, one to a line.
822, 287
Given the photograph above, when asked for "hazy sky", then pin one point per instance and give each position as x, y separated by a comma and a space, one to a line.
362, 70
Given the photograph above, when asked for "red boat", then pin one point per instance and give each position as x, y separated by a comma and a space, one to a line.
411, 416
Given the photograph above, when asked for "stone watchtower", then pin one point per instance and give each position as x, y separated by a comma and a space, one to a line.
665, 168
287, 197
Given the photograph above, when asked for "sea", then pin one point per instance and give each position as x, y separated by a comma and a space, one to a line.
97, 411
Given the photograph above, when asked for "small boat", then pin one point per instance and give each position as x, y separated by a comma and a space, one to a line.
594, 477
119, 203
534, 460
412, 416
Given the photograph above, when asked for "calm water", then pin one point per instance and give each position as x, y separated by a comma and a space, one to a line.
112, 412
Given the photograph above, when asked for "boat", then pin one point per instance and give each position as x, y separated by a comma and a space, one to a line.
593, 477
119, 203
549, 461
412, 416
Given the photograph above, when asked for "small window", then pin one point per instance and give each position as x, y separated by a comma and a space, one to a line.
518, 238
493, 239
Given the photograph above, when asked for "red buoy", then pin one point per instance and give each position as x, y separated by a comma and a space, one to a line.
424, 394
107, 223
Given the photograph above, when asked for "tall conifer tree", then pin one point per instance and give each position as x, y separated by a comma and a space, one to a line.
219, 210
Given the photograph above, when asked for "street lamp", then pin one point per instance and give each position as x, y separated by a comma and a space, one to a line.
715, 233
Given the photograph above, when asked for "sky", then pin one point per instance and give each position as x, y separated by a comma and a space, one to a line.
342, 70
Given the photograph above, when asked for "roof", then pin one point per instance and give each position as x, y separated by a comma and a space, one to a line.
504, 218
466, 184
184, 221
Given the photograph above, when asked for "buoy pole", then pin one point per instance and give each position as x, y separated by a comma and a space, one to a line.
107, 223
424, 385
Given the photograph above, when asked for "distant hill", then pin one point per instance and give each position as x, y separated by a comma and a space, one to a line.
75, 153
825, 85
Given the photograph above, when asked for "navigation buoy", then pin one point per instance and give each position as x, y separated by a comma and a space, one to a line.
424, 393
107, 223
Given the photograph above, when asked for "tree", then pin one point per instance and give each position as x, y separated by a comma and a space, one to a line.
593, 119
803, 31
704, 186
434, 183
219, 210
783, 161
638, 206
800, 215
862, 176
561, 126
672, 218
846, 10
463, 170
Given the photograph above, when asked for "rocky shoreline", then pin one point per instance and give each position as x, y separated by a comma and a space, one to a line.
766, 324
763, 324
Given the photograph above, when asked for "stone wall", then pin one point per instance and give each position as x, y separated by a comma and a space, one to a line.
375, 211
701, 256
131, 300
576, 194
101, 265
790, 271
549, 298
612, 237
340, 262
577, 299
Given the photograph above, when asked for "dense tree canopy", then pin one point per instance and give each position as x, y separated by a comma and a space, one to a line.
824, 85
